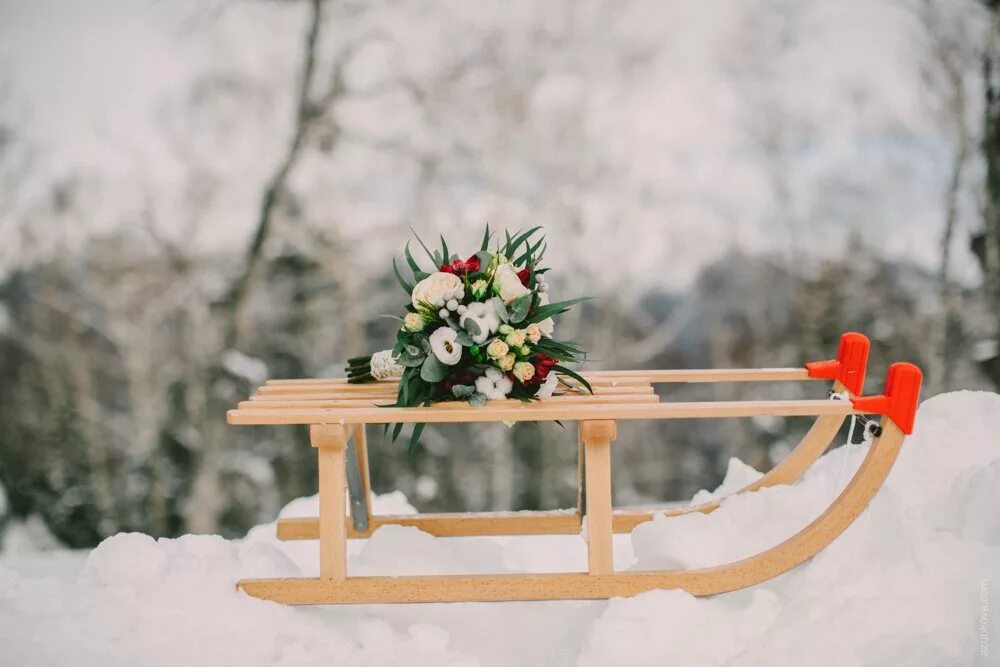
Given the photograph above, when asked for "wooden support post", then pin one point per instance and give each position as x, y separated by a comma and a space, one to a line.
330, 442
597, 437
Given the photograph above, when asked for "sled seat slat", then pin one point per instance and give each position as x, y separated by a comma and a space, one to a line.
511, 410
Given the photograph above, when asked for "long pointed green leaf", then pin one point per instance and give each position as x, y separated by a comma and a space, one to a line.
407, 287
486, 239
573, 374
434, 258
410, 261
415, 438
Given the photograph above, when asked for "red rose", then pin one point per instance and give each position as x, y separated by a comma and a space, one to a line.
458, 267
543, 363
524, 275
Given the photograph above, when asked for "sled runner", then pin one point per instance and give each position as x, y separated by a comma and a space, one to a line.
337, 413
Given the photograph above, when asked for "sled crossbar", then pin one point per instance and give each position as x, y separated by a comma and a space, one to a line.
337, 415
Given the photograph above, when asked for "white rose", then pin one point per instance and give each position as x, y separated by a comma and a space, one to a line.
494, 384
546, 326
507, 284
445, 346
433, 287
483, 314
549, 386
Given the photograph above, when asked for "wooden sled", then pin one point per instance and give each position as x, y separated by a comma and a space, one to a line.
338, 412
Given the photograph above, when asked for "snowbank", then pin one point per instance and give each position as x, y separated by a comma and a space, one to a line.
909, 583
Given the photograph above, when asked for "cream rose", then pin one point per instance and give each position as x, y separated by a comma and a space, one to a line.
497, 348
506, 362
413, 322
516, 338
523, 371
533, 332
434, 287
507, 284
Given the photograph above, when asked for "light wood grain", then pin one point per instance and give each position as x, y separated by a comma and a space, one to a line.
597, 437
539, 412
330, 442
694, 375
704, 581
578, 399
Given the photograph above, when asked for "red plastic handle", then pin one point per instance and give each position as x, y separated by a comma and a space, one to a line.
899, 399
850, 365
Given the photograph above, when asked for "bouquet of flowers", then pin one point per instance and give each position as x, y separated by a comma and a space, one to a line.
476, 329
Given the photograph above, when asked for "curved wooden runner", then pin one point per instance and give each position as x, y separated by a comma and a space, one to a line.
508, 587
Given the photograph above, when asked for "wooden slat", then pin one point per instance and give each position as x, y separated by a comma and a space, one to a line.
693, 375
391, 389
449, 524
539, 412
576, 399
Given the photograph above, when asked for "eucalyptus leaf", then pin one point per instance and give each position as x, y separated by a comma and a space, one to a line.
432, 370
477, 400
464, 339
463, 390
472, 327
519, 307
501, 309
412, 350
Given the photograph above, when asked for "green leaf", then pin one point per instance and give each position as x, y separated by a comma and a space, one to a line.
477, 400
573, 374
463, 390
501, 309
472, 327
411, 361
434, 258
444, 249
519, 307
519, 239
557, 308
464, 339
410, 261
412, 350
432, 371
415, 438
486, 239
396, 431
407, 287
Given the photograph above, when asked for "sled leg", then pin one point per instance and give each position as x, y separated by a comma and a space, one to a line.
330, 442
597, 437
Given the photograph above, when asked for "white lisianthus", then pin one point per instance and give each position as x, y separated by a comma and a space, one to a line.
433, 288
445, 346
483, 314
523, 371
506, 362
547, 387
413, 322
497, 348
546, 326
507, 284
494, 384
533, 332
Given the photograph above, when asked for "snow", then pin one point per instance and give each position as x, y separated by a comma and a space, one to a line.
908, 583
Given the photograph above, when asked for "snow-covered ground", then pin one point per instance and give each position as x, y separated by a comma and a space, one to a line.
913, 581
